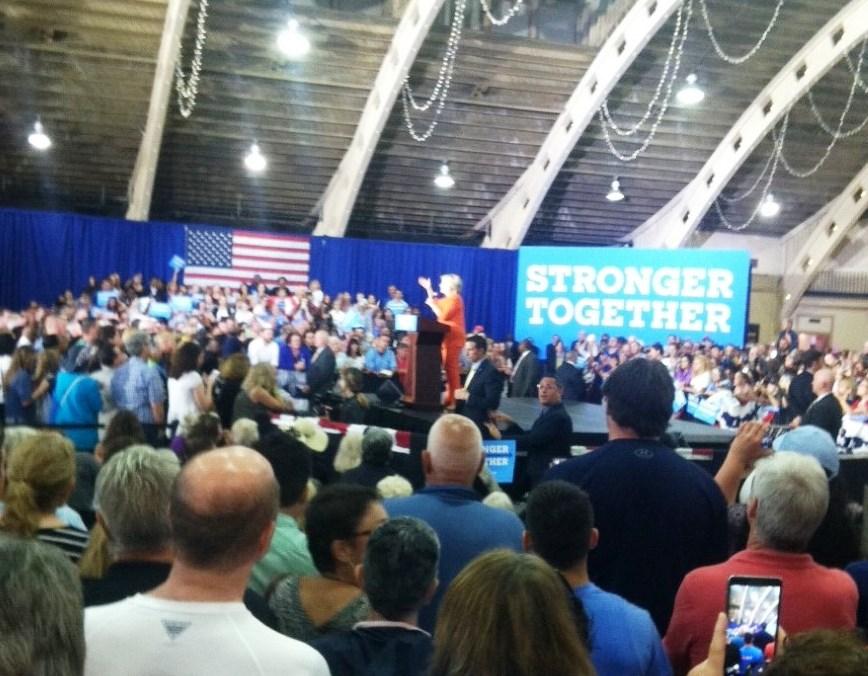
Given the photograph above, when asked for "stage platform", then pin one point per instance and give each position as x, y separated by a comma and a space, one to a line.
589, 422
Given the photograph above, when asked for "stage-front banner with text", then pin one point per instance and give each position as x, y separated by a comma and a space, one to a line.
647, 293
500, 456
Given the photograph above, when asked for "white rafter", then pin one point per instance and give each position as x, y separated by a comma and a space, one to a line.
507, 223
336, 204
673, 224
830, 229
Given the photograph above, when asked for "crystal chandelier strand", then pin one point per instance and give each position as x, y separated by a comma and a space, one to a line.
663, 79
187, 87
776, 154
749, 191
805, 173
826, 128
663, 106
862, 84
515, 9
736, 60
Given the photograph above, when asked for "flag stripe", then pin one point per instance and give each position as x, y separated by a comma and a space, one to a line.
257, 265
282, 254
270, 242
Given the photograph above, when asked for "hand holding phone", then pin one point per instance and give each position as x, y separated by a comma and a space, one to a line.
753, 607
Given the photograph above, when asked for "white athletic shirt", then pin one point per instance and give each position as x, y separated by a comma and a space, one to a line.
147, 636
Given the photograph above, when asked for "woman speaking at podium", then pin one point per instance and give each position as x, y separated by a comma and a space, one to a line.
449, 310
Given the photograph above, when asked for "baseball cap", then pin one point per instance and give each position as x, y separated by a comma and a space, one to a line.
814, 441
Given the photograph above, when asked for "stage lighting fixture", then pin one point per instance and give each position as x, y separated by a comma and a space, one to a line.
769, 208
615, 194
690, 94
292, 42
444, 179
254, 160
38, 138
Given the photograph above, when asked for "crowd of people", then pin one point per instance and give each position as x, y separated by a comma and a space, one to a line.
191, 530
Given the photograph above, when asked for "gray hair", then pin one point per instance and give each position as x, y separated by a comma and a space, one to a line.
793, 495
133, 492
41, 620
400, 566
394, 486
376, 446
136, 342
245, 432
454, 280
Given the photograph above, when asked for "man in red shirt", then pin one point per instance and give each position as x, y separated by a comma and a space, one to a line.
789, 499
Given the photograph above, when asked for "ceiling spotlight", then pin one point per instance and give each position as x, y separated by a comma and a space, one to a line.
254, 160
292, 42
615, 194
444, 179
769, 208
38, 138
690, 94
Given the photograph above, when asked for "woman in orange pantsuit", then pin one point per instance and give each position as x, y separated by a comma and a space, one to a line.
450, 311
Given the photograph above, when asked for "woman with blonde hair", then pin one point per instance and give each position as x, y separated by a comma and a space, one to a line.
259, 394
38, 478
18, 385
507, 614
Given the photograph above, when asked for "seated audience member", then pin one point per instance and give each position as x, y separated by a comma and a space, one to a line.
740, 405
188, 395
288, 552
245, 432
550, 435
661, 516
41, 628
376, 457
137, 386
226, 386
394, 486
571, 377
353, 408
480, 395
223, 507
623, 637
380, 357
39, 477
507, 613
465, 527
825, 411
338, 522
399, 575
789, 497
259, 394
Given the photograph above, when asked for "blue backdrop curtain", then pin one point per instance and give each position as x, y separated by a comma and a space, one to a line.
370, 266
43, 254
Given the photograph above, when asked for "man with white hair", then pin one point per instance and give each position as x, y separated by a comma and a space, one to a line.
465, 527
321, 372
825, 412
789, 498
222, 514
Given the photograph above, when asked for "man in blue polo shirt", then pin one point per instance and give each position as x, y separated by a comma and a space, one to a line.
623, 637
660, 515
465, 527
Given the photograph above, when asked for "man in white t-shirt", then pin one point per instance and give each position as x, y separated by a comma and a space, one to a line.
263, 349
223, 511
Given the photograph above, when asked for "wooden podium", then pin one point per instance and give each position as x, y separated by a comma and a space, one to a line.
423, 383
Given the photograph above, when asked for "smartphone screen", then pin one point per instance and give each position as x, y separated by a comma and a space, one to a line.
753, 606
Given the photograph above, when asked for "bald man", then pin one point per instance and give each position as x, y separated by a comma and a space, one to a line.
466, 528
223, 510
826, 412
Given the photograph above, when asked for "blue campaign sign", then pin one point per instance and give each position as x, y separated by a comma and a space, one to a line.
647, 293
500, 457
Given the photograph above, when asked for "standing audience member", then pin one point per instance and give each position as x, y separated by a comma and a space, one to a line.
259, 395
507, 613
7, 348
480, 396
800, 393
661, 515
39, 477
825, 411
41, 628
465, 527
526, 372
789, 498
571, 377
18, 387
222, 514
288, 553
321, 372
560, 529
137, 386
79, 401
399, 576
226, 386
188, 396
338, 522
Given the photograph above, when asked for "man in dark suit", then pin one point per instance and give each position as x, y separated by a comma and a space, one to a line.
482, 387
525, 373
321, 372
571, 378
826, 412
549, 436
800, 392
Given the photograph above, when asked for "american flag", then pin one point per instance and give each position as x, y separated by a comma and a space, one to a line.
223, 257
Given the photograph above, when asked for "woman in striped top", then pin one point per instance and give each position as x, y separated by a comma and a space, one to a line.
39, 477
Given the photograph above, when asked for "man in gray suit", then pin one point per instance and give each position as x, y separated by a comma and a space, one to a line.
526, 372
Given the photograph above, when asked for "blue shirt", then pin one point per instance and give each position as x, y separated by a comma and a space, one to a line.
20, 391
376, 362
79, 401
624, 639
135, 386
466, 528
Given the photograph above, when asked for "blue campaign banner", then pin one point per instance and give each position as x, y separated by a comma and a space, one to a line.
647, 293
500, 457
